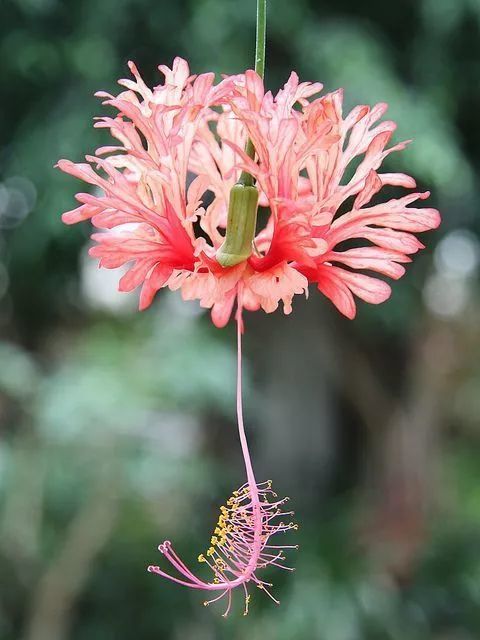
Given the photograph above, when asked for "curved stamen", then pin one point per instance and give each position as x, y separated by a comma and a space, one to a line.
240, 540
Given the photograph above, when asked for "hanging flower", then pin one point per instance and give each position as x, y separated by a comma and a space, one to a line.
163, 194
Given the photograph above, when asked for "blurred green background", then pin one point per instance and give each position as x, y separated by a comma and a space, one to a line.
117, 429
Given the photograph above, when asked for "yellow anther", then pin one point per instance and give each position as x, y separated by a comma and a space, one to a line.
206, 603
247, 602
210, 551
214, 540
201, 558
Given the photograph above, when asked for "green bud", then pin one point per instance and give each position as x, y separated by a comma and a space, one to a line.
241, 224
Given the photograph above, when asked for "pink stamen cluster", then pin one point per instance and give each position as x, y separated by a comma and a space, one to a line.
240, 545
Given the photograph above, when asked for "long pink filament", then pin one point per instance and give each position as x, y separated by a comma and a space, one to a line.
252, 483
246, 527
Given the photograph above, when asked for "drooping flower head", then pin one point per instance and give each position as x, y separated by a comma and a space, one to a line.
163, 193
176, 204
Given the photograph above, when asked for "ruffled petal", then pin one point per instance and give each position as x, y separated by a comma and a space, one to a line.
338, 285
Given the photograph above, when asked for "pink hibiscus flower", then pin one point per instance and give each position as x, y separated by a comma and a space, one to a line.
176, 201
163, 193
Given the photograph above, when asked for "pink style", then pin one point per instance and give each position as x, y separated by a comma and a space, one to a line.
163, 192
241, 542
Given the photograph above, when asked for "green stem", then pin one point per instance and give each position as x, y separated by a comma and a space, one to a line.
260, 38
247, 179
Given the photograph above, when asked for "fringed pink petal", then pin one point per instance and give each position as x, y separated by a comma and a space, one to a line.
83, 212
369, 289
371, 258
222, 311
335, 289
153, 283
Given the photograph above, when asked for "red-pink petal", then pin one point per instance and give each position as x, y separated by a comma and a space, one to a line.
152, 284
333, 287
371, 258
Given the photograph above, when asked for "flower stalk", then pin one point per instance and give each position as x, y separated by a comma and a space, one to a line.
243, 203
260, 40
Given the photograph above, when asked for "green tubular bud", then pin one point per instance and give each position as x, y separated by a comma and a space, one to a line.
241, 223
